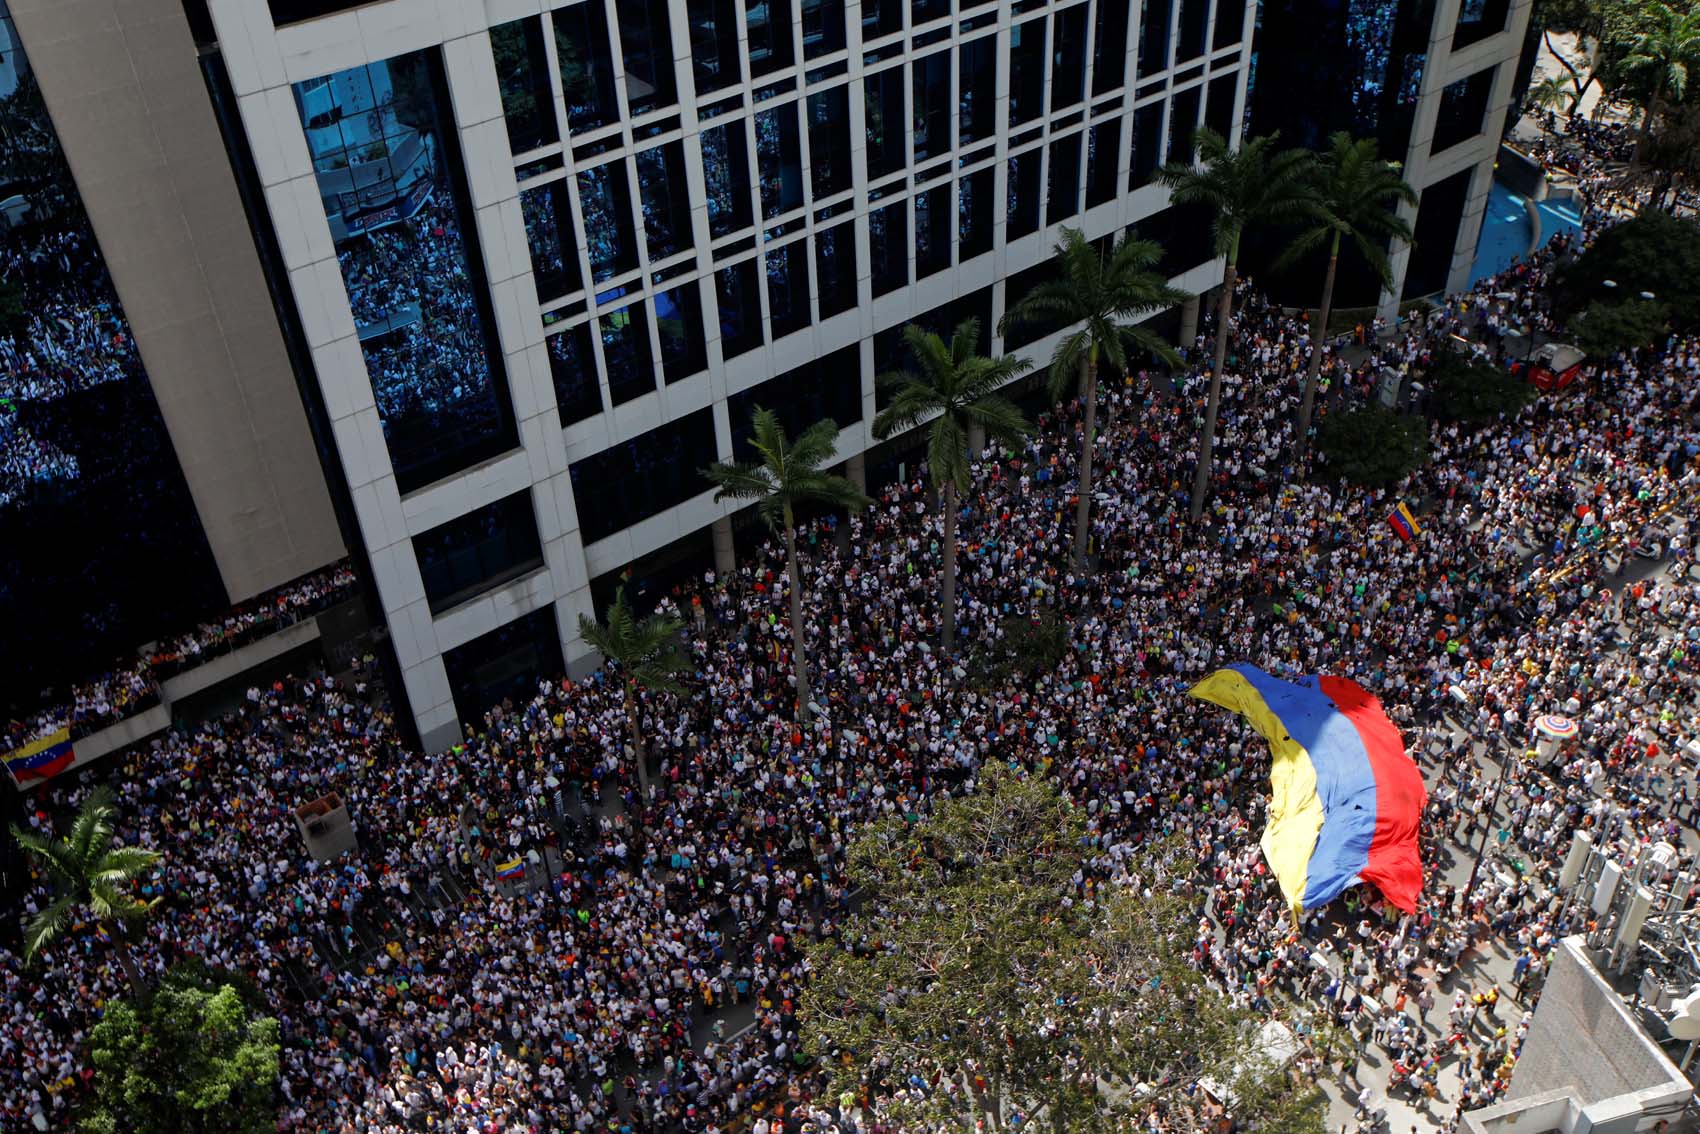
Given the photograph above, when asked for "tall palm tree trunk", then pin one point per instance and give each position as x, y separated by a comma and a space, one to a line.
1088, 426
1646, 130
634, 726
1224, 312
798, 656
126, 960
948, 603
1318, 336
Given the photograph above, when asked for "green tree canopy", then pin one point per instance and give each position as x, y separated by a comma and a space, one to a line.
1465, 388
1603, 327
1373, 447
193, 1056
1653, 252
974, 960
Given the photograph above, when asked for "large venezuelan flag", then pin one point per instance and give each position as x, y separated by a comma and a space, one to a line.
1345, 799
43, 757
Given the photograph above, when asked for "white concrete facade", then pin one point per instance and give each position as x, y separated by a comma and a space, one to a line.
263, 61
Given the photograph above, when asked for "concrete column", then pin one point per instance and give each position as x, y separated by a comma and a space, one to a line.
725, 552
976, 439
856, 470
1189, 323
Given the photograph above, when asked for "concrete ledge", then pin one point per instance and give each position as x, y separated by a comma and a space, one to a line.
121, 735
222, 667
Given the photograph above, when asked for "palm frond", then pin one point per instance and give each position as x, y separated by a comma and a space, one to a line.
46, 926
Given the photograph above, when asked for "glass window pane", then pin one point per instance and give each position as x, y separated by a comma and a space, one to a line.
788, 287
1153, 36
887, 128
522, 71
634, 480
1147, 144
1023, 194
1026, 71
921, 11
779, 156
1062, 197
932, 105
1219, 103
829, 141
1183, 123
881, 17
606, 204
666, 202
625, 352
549, 234
1195, 19
823, 27
1068, 59
979, 68
769, 23
478, 551
827, 389
1103, 153
587, 74
835, 268
726, 176
714, 43
1109, 45
572, 367
646, 50
383, 143
888, 242
932, 231
678, 323
1230, 24
974, 212
740, 308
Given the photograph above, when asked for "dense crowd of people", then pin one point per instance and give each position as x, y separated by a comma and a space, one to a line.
417, 991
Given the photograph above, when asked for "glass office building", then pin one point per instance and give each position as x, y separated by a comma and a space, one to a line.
545, 258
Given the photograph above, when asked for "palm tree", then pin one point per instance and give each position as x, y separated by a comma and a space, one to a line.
788, 473
1251, 186
1667, 43
1550, 93
89, 873
958, 390
1107, 294
647, 652
1353, 195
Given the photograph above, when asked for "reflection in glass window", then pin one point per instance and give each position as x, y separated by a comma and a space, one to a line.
726, 178
1477, 20
646, 50
1062, 196
888, 247
835, 268
380, 139
1195, 19
1219, 103
769, 23
1026, 71
1153, 36
829, 141
921, 11
714, 43
1147, 145
606, 204
932, 231
740, 308
932, 105
634, 480
625, 352
549, 234
974, 215
587, 74
882, 97
881, 17
572, 368
823, 27
1463, 111
483, 549
1068, 60
522, 72
678, 323
1103, 152
1109, 44
1183, 123
779, 158
978, 64
1023, 193
1230, 24
666, 203
788, 287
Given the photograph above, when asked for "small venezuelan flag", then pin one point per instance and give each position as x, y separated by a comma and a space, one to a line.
1404, 524
510, 871
43, 757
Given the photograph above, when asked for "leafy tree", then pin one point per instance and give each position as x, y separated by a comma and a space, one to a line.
193, 1056
1653, 252
647, 653
1353, 197
1249, 187
956, 389
14, 309
1663, 44
784, 475
1603, 327
1373, 446
1588, 21
1550, 93
1107, 294
1466, 388
973, 964
89, 874
1026, 645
